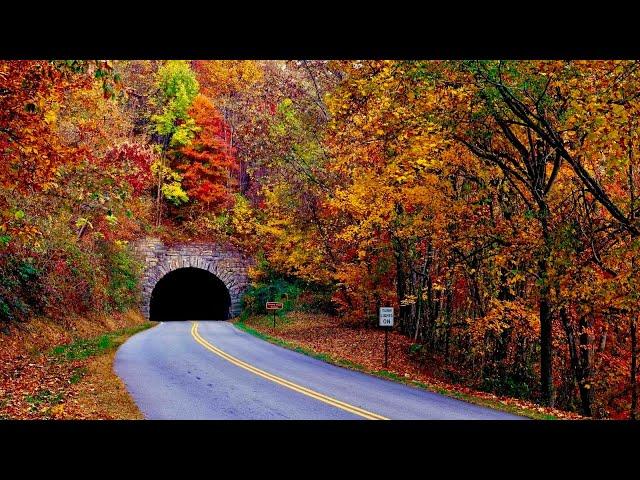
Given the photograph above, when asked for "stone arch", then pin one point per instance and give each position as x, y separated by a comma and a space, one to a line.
226, 263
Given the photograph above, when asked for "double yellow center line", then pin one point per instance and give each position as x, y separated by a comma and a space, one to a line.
281, 381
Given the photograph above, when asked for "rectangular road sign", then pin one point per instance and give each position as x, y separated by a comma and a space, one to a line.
386, 317
274, 305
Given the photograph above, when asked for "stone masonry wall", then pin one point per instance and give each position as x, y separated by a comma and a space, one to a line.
227, 264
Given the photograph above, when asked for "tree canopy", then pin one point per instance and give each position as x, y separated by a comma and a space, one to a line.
493, 203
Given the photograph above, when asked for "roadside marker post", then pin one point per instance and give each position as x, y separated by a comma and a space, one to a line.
274, 306
385, 320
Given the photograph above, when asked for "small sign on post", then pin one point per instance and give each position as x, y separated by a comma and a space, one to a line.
274, 306
385, 319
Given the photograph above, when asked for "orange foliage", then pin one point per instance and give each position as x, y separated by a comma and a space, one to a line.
209, 163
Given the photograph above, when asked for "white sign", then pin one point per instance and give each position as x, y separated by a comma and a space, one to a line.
386, 317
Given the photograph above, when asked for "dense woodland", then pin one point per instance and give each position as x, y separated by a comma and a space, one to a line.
493, 203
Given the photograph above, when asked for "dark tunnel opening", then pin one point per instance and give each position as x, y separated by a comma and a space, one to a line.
189, 294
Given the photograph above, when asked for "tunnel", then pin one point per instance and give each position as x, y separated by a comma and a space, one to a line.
189, 294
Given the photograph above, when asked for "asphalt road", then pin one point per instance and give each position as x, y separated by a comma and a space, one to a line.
212, 370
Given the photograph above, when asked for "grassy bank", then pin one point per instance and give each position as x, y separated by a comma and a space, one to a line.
60, 372
97, 391
83, 348
319, 337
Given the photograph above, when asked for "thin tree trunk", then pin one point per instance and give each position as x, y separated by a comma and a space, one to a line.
448, 312
421, 283
159, 197
634, 369
160, 181
546, 368
633, 373
579, 368
401, 290
586, 391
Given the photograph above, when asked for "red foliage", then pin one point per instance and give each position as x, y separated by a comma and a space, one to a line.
209, 162
135, 160
30, 152
460, 292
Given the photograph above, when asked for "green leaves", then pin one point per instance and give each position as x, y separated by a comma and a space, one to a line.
172, 184
81, 222
178, 88
111, 219
176, 79
174, 193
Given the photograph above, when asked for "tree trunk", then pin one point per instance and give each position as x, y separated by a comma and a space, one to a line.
400, 283
160, 181
448, 312
634, 369
633, 326
502, 340
586, 392
580, 369
546, 368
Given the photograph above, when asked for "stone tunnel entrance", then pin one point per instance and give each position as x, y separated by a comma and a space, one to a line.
215, 274
189, 294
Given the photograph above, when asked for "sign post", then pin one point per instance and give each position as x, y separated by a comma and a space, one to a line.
274, 306
385, 320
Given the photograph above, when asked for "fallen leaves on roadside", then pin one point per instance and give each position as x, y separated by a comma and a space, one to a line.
35, 384
364, 347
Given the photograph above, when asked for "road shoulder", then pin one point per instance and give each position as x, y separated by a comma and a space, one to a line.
261, 327
69, 374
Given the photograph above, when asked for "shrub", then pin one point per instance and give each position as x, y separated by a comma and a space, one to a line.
294, 294
20, 287
508, 383
317, 300
277, 290
67, 278
123, 272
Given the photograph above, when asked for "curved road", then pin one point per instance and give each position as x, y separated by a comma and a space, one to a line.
212, 370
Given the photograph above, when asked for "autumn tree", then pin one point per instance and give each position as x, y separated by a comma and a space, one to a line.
178, 88
237, 90
59, 223
493, 203
580, 113
208, 163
